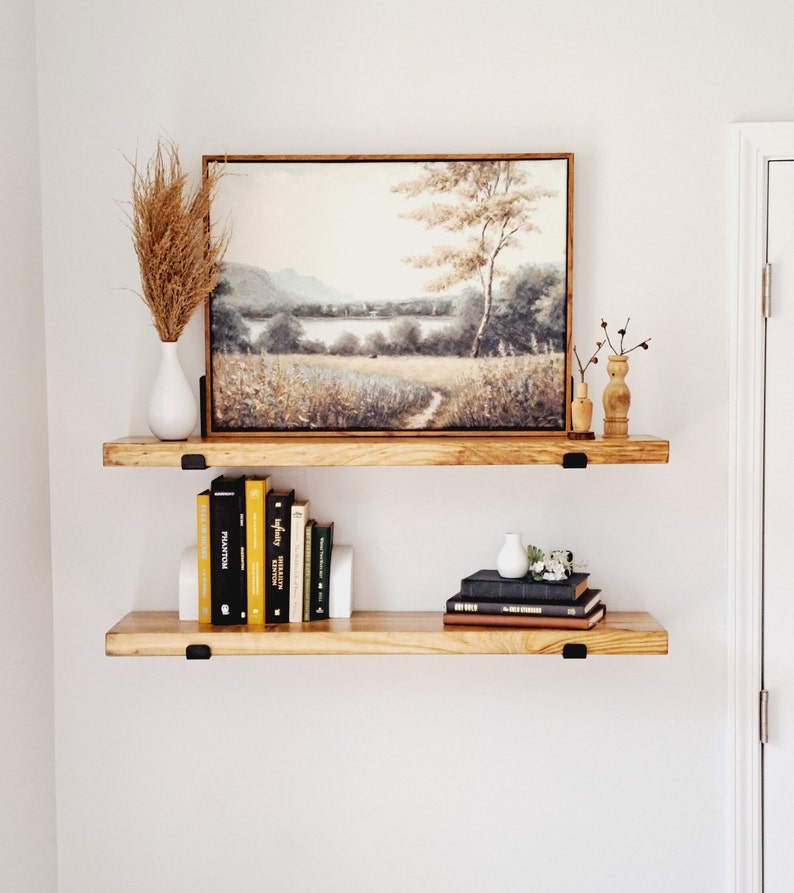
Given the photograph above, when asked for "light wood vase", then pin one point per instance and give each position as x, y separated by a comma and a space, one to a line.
617, 398
581, 410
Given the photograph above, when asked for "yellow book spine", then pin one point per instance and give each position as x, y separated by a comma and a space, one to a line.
255, 489
203, 549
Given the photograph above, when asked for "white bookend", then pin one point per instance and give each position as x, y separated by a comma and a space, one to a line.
340, 590
189, 584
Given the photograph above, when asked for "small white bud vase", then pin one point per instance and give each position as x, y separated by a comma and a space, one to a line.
512, 561
172, 406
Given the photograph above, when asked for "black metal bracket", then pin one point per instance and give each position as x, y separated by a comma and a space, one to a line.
203, 404
574, 651
194, 462
198, 652
574, 460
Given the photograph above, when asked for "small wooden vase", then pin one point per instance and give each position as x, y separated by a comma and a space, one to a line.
581, 414
617, 398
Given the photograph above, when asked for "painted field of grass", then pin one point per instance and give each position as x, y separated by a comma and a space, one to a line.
435, 372
508, 392
360, 393
263, 392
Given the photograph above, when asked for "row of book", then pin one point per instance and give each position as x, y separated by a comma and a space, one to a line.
261, 558
488, 599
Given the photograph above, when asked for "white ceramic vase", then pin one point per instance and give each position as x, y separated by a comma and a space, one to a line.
172, 406
512, 561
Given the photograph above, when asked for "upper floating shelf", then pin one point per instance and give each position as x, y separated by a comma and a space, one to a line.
324, 450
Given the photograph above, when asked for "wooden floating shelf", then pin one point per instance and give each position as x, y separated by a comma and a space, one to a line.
161, 633
313, 450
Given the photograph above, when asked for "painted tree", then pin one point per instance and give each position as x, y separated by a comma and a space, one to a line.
282, 334
229, 331
491, 203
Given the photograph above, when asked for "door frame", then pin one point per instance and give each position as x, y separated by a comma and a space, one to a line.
754, 146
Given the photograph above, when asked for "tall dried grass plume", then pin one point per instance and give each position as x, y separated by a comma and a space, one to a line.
178, 257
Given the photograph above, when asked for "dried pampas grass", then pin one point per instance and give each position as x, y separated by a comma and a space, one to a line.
178, 258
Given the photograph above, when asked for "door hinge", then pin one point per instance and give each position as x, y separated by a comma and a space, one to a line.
764, 716
766, 290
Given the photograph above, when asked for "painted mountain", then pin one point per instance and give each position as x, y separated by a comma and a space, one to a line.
308, 289
247, 287
244, 286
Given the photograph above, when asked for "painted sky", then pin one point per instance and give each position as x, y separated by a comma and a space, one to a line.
343, 224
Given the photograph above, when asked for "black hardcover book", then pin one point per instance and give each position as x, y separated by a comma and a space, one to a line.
278, 506
581, 607
227, 551
322, 545
490, 584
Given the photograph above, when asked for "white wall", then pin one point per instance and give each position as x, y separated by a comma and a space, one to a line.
27, 776
405, 773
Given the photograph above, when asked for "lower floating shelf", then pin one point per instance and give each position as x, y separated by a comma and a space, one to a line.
161, 633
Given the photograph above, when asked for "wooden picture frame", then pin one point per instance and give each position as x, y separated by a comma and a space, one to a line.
418, 294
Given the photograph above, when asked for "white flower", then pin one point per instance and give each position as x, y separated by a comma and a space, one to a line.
555, 570
554, 566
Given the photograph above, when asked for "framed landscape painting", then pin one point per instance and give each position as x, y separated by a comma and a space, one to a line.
410, 294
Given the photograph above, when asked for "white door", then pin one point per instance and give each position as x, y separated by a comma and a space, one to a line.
778, 547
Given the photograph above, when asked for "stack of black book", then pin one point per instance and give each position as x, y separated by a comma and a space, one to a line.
488, 599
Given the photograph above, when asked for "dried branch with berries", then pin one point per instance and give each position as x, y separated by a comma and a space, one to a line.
620, 351
591, 362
